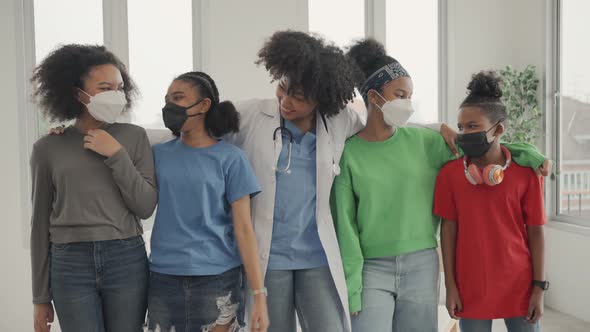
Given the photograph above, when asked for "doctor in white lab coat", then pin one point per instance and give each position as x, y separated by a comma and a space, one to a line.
294, 143
259, 119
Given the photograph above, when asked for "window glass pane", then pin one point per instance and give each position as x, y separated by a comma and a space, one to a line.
415, 46
338, 21
574, 140
62, 22
160, 48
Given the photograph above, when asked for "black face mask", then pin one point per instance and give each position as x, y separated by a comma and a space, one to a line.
175, 115
475, 145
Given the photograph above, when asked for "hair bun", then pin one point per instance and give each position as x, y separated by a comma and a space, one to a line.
222, 120
486, 84
365, 52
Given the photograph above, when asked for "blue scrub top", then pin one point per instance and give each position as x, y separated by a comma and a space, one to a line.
295, 240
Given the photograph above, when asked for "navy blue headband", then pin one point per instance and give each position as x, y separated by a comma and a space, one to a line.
383, 76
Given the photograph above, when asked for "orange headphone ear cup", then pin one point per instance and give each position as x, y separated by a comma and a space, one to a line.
493, 175
474, 175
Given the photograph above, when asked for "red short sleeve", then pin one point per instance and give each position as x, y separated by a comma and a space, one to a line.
444, 201
533, 207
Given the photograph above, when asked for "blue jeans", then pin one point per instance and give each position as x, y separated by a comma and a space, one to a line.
311, 293
400, 294
518, 324
195, 303
100, 286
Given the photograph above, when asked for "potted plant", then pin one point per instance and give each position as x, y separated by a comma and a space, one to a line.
519, 89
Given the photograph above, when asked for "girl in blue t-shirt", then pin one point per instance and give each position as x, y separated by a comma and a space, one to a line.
203, 232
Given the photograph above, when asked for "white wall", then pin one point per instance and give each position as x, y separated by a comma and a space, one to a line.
236, 31
491, 35
15, 279
568, 269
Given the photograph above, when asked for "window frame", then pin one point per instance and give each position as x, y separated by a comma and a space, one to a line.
553, 122
28, 116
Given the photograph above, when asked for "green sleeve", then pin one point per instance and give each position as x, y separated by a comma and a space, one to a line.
344, 208
436, 148
525, 154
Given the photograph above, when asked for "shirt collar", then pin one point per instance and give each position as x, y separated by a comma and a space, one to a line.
298, 135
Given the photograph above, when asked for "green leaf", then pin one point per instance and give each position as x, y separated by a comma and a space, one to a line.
521, 100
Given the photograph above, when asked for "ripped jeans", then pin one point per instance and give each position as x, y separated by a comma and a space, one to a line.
195, 303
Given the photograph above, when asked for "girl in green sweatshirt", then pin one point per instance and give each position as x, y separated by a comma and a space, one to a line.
382, 202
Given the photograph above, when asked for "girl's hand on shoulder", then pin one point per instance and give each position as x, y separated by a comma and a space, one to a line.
545, 168
450, 136
57, 130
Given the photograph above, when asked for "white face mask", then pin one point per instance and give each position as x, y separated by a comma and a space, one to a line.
397, 112
106, 106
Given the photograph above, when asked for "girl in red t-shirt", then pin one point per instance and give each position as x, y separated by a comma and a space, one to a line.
492, 231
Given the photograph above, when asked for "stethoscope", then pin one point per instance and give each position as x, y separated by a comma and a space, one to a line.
282, 129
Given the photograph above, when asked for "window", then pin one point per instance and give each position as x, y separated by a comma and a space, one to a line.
573, 138
160, 43
337, 21
415, 46
341, 22
64, 22
160, 48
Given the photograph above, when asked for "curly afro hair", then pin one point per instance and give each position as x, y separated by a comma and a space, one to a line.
485, 92
319, 69
56, 78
